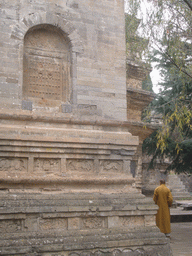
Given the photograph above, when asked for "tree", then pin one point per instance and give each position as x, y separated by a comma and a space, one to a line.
174, 103
168, 30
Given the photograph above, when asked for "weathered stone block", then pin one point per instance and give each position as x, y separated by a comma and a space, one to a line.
31, 224
66, 108
27, 105
113, 222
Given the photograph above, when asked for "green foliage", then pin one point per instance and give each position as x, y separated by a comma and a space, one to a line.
179, 161
147, 84
167, 26
174, 103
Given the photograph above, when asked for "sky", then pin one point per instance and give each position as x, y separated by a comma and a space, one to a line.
155, 78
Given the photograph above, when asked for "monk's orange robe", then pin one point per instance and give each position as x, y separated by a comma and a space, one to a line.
163, 198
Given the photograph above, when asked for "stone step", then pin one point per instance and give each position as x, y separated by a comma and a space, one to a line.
178, 189
43, 243
174, 179
180, 193
181, 196
177, 182
183, 211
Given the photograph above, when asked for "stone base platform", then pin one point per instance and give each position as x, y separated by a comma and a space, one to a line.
183, 212
56, 223
67, 189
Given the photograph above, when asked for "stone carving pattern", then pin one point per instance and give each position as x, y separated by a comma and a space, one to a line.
148, 251
46, 165
94, 222
132, 221
111, 166
53, 224
9, 226
150, 220
13, 164
80, 165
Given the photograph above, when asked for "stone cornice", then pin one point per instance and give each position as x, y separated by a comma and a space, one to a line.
22, 115
138, 99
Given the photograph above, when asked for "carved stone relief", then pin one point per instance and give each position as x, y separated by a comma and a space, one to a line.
132, 221
13, 164
93, 222
8, 226
46, 165
80, 165
150, 220
111, 166
73, 223
46, 73
141, 251
51, 224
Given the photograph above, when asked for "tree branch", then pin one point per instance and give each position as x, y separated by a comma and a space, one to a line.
172, 61
189, 3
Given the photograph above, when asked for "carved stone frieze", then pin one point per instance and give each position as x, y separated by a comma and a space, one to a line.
93, 222
46, 165
53, 224
13, 164
132, 221
111, 166
9, 226
148, 251
80, 165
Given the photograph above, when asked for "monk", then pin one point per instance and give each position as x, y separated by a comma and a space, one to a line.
163, 198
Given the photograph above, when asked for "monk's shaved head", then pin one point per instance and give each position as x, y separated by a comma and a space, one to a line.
162, 181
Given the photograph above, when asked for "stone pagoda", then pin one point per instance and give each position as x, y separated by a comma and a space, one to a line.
69, 161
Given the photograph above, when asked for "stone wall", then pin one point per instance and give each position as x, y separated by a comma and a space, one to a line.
91, 57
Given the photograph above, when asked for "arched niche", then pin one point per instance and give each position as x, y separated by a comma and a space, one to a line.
46, 66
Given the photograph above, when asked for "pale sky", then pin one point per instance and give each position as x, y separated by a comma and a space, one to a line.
155, 77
